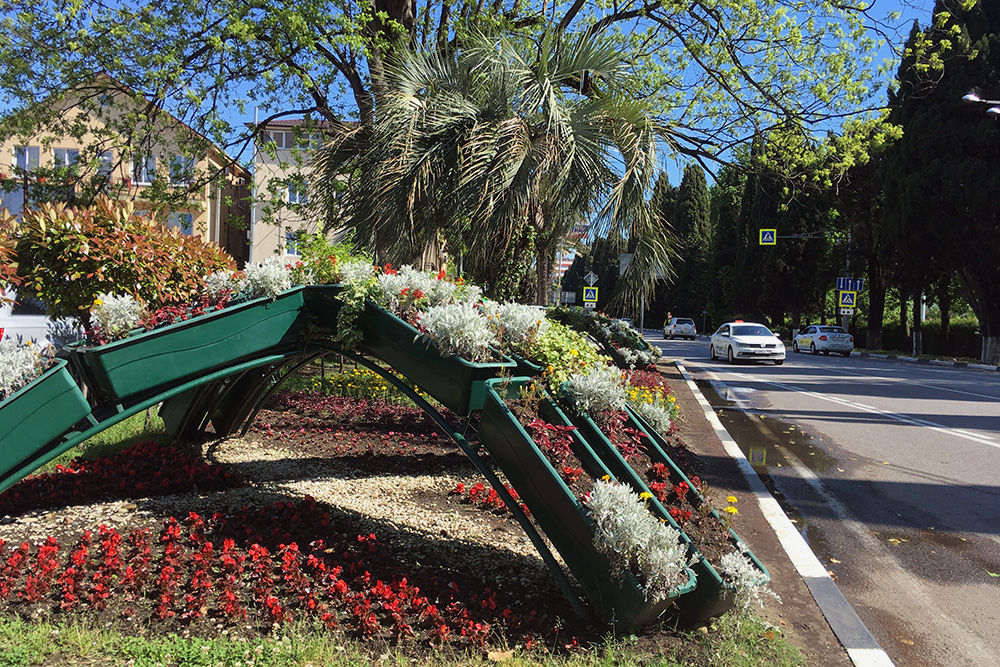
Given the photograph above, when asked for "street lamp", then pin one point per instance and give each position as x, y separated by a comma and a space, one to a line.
973, 98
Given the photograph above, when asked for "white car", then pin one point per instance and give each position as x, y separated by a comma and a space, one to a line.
824, 338
735, 341
26, 320
680, 327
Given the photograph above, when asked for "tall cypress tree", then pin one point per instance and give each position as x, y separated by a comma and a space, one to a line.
942, 180
692, 226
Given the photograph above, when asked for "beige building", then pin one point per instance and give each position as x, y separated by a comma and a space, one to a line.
107, 138
281, 172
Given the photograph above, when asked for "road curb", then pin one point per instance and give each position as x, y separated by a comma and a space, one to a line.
932, 362
862, 647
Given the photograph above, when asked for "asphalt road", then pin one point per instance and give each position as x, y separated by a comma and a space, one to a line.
892, 472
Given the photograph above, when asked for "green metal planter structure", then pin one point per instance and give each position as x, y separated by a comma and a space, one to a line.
218, 369
713, 595
39, 413
619, 602
454, 382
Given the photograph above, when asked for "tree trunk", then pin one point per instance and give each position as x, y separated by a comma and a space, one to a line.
904, 321
544, 265
876, 309
991, 350
918, 330
944, 303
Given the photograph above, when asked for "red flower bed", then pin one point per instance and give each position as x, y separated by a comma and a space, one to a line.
258, 568
142, 470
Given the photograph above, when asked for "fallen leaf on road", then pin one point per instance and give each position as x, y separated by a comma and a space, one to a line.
885, 463
896, 540
992, 574
499, 656
832, 574
908, 642
840, 470
834, 560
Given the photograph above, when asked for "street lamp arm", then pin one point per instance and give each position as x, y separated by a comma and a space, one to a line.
973, 98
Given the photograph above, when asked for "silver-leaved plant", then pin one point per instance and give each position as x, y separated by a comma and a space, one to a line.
459, 329
19, 365
116, 314
268, 278
600, 389
635, 540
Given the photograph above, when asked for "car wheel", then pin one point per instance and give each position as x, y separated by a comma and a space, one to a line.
711, 352
692, 337
812, 348
729, 355
795, 346
778, 362
846, 354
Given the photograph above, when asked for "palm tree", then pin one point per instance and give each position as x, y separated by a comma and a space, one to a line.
507, 143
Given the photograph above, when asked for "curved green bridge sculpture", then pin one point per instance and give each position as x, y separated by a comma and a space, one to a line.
218, 369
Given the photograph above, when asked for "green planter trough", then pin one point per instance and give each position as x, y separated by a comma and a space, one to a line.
39, 413
562, 517
452, 381
161, 358
713, 596
322, 304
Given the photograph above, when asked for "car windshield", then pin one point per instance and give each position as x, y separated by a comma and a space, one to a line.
751, 330
831, 330
685, 321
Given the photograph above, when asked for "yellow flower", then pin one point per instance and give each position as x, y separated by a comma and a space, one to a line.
731, 510
606, 478
574, 352
98, 302
731, 499
645, 495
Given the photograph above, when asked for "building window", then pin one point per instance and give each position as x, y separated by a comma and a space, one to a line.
181, 168
144, 170
26, 158
181, 221
298, 193
291, 243
65, 157
105, 162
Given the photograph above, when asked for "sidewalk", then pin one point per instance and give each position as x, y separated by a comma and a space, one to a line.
799, 579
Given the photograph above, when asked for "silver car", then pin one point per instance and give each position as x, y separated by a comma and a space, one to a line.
749, 341
823, 338
680, 327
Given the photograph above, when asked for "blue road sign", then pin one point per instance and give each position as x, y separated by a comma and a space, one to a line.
848, 299
590, 294
769, 237
851, 284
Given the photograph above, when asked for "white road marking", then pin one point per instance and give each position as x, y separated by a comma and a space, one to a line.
895, 416
862, 647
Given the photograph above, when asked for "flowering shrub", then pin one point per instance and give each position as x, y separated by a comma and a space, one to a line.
66, 256
634, 540
19, 364
650, 397
563, 352
614, 336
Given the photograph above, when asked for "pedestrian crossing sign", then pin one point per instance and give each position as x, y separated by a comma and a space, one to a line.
769, 237
590, 294
848, 299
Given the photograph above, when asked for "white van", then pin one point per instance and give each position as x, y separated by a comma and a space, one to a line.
26, 320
